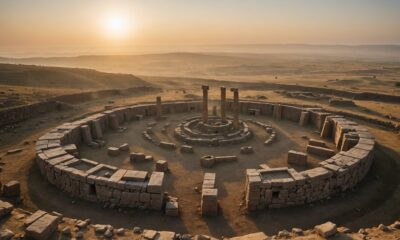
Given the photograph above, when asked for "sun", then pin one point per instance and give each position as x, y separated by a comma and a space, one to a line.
117, 26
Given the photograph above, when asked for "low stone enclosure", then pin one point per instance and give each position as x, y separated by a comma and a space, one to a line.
57, 157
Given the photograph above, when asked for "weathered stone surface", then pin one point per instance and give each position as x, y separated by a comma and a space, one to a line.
187, 149
35, 216
113, 151
161, 166
6, 234
320, 151
149, 234
297, 158
326, 230
252, 236
304, 118
5, 208
209, 202
124, 147
315, 142
165, 235
133, 175
136, 156
43, 227
156, 182
11, 189
172, 208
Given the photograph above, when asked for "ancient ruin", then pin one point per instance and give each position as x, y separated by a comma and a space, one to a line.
341, 169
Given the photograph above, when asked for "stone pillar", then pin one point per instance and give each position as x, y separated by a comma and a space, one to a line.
223, 104
96, 129
326, 131
205, 103
86, 134
214, 111
235, 107
304, 117
158, 107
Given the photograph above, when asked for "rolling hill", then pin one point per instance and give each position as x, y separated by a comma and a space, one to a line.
71, 78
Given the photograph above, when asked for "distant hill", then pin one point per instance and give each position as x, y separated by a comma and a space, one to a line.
72, 78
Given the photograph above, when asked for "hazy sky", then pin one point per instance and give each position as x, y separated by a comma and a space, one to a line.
43, 26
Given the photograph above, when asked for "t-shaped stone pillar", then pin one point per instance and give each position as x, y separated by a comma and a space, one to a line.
205, 103
235, 107
223, 104
158, 107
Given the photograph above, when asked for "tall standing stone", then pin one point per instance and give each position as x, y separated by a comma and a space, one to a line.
223, 104
158, 107
86, 134
205, 103
235, 107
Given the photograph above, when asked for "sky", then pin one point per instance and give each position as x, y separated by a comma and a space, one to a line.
76, 26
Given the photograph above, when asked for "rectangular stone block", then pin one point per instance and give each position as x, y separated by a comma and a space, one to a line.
136, 176
209, 202
43, 228
297, 158
320, 151
315, 142
156, 183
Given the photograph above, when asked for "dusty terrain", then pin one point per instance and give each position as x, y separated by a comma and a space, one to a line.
374, 201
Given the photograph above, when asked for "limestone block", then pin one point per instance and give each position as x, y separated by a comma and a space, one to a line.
209, 180
156, 201
113, 151
113, 121
326, 131
172, 208
149, 234
136, 176
124, 147
326, 230
304, 118
252, 236
11, 189
209, 202
166, 235
71, 149
161, 166
187, 149
43, 227
167, 145
156, 183
315, 142
35, 216
320, 151
136, 156
225, 158
5, 208
297, 158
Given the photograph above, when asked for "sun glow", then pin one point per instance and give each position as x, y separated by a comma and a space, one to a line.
117, 26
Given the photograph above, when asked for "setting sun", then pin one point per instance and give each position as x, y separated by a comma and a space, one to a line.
116, 25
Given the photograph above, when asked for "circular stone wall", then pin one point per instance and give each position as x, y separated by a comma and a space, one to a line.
59, 162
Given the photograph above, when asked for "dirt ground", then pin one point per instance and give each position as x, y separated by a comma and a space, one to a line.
375, 200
